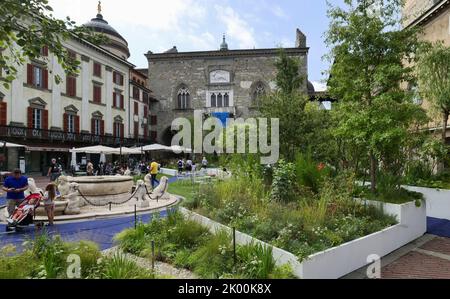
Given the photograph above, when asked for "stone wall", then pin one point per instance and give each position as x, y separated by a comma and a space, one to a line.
168, 72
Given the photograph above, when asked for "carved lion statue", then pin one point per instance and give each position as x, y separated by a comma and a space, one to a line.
141, 195
63, 186
73, 207
32, 188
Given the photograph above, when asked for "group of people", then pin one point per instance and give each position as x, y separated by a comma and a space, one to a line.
15, 186
189, 166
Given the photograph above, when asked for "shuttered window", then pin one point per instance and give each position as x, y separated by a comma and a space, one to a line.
97, 69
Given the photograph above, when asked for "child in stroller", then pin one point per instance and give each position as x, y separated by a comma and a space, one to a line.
24, 213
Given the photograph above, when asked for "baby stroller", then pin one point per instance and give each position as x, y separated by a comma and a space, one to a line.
23, 216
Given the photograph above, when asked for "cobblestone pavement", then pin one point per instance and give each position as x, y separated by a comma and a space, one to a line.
429, 261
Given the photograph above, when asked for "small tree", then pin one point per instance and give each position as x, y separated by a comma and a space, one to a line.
370, 56
287, 104
30, 25
433, 71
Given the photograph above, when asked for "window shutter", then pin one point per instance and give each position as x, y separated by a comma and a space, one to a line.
74, 86
102, 127
66, 122
30, 74
44, 51
45, 119
114, 100
121, 80
114, 130
92, 126
45, 77
30, 117
145, 111
3, 109
77, 124
122, 104
136, 129
136, 108
95, 94
122, 130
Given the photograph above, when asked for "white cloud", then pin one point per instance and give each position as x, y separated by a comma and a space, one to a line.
279, 12
236, 27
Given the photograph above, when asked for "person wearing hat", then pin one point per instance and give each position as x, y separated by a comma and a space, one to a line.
15, 187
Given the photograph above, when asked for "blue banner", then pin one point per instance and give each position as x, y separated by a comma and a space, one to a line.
222, 116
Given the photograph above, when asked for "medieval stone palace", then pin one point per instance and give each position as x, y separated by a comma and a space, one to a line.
223, 81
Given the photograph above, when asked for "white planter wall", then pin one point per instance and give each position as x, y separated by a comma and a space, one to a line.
167, 171
339, 261
438, 201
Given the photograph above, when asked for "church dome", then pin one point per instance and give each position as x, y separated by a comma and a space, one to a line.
116, 44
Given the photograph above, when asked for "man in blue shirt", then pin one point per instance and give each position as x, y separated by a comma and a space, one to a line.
15, 187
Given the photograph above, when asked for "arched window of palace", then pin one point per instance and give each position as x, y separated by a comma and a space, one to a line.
183, 98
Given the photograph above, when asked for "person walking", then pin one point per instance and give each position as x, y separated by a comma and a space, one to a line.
54, 171
154, 170
180, 167
15, 186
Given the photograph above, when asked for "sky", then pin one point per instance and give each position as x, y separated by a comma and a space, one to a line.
198, 25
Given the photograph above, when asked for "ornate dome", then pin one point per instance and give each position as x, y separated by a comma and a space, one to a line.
116, 44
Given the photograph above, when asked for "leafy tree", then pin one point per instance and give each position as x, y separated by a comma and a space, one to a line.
433, 71
31, 25
290, 104
288, 78
372, 58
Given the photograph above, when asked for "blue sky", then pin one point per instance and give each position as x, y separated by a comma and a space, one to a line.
194, 25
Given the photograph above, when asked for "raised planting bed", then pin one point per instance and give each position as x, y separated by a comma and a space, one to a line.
438, 201
338, 261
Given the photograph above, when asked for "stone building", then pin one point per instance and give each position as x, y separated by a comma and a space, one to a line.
433, 16
88, 108
222, 81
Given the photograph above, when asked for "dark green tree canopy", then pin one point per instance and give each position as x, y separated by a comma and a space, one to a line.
31, 25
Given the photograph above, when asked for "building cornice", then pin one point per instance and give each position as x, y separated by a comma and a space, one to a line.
224, 54
429, 15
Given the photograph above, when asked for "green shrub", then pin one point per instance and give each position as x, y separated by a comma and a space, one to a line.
89, 254
307, 172
283, 184
119, 267
17, 266
214, 258
256, 261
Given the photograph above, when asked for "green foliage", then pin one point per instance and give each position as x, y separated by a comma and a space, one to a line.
375, 116
307, 172
292, 225
30, 24
186, 244
288, 78
119, 267
434, 84
283, 182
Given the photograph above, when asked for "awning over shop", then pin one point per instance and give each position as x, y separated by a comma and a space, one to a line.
46, 149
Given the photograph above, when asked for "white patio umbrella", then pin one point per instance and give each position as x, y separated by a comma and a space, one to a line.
180, 149
73, 161
128, 151
98, 149
10, 145
156, 147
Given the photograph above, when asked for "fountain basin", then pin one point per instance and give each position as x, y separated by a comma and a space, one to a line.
103, 185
